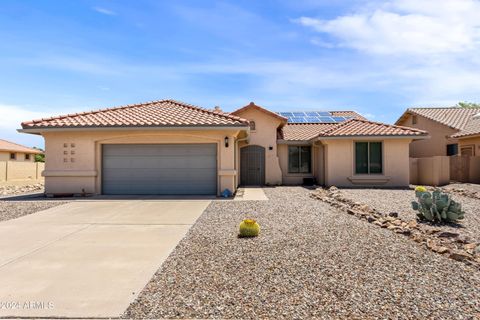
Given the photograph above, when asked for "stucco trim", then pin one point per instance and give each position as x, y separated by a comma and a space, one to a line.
369, 179
126, 128
69, 173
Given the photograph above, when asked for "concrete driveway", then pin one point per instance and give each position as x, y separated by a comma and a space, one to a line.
87, 258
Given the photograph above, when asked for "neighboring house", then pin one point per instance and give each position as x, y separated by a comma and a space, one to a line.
10, 151
444, 126
170, 147
17, 162
469, 136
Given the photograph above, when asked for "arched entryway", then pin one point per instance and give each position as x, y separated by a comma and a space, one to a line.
252, 166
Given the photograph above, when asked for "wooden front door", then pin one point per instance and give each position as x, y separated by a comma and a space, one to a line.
252, 166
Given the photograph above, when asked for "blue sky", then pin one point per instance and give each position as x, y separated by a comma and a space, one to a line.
375, 57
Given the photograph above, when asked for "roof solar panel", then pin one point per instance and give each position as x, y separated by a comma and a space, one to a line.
296, 119
327, 119
312, 117
298, 114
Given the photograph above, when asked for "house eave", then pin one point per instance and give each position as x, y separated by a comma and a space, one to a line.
399, 136
294, 142
40, 130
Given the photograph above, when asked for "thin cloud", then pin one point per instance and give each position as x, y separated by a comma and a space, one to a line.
105, 11
406, 27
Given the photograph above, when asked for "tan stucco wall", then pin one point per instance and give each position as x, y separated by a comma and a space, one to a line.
437, 144
265, 135
340, 164
430, 171
470, 142
74, 158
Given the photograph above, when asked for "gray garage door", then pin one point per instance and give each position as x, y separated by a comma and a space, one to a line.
169, 169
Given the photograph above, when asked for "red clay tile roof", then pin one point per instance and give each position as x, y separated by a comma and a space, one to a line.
472, 128
352, 114
453, 117
155, 113
355, 127
349, 128
303, 131
15, 147
252, 105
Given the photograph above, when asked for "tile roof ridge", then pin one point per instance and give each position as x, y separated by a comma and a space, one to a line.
216, 112
137, 105
94, 111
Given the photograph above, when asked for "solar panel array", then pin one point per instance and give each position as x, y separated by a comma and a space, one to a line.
312, 117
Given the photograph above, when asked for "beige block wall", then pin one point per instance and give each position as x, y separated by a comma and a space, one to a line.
265, 135
437, 144
475, 141
340, 164
21, 171
297, 178
74, 158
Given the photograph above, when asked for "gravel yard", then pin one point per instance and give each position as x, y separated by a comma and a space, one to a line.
20, 188
15, 209
393, 200
310, 261
466, 186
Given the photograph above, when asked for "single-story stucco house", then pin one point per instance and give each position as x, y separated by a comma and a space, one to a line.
170, 147
11, 151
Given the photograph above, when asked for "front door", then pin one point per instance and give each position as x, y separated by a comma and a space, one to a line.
252, 166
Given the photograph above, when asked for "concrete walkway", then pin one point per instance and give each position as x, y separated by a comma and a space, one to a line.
249, 194
87, 259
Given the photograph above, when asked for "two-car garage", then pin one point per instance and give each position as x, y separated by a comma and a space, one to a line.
159, 169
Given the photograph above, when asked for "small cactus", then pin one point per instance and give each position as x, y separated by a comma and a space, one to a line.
436, 206
249, 228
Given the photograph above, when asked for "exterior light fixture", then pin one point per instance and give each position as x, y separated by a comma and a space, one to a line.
226, 142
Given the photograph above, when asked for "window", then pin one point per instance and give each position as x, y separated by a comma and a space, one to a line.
299, 159
414, 119
27, 156
368, 158
252, 125
452, 149
13, 156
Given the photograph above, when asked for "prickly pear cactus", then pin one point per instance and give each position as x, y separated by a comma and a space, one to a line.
436, 206
249, 228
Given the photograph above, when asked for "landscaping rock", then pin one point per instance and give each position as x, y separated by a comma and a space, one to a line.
459, 256
446, 234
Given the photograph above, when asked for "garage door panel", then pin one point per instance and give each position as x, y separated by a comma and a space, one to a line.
160, 169
155, 150
170, 162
